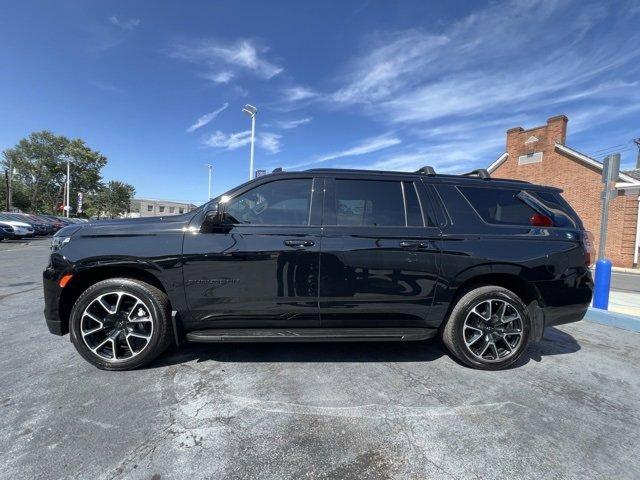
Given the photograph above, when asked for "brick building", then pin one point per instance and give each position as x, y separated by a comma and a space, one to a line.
540, 155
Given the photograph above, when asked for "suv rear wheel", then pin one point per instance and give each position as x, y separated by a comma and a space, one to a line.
488, 328
120, 324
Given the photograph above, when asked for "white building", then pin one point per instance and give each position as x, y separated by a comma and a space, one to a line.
146, 207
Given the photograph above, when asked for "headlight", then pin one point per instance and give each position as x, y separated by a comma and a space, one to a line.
58, 242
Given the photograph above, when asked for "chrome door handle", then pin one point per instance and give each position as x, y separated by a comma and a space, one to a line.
422, 245
299, 243
409, 244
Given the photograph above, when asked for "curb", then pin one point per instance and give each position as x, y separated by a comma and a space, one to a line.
619, 320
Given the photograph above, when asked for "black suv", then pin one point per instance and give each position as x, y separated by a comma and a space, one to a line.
327, 255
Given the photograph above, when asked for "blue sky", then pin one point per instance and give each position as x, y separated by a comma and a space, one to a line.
158, 87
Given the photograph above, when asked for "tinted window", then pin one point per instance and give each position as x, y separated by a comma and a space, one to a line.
369, 203
553, 205
414, 209
499, 205
283, 202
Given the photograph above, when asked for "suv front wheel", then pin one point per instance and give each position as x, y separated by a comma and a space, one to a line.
120, 324
488, 328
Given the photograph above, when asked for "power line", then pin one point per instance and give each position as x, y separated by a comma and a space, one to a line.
602, 150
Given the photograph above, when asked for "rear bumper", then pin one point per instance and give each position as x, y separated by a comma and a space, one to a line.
566, 299
566, 314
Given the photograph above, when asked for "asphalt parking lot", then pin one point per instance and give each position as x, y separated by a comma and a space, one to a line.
569, 409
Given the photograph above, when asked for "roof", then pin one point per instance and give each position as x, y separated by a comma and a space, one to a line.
432, 178
631, 178
635, 174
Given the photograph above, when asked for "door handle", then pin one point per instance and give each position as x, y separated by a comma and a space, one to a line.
299, 243
420, 245
408, 244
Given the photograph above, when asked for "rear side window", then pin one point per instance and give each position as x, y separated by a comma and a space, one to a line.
553, 205
499, 205
369, 203
516, 207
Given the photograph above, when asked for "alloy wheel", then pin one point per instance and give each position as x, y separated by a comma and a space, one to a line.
492, 330
117, 326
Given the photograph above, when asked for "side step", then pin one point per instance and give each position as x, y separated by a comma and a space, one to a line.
215, 335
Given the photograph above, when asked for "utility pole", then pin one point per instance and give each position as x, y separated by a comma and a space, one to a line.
637, 142
210, 167
8, 173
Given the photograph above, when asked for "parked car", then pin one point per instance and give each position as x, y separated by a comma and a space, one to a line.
40, 228
50, 220
20, 229
326, 255
6, 231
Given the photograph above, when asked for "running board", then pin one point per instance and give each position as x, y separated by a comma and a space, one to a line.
309, 334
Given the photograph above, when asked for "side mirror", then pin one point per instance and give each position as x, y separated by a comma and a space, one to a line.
213, 218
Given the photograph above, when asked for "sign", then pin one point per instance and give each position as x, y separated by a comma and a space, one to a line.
260, 173
611, 168
80, 198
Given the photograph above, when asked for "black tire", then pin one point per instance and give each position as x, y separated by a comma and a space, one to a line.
156, 305
455, 332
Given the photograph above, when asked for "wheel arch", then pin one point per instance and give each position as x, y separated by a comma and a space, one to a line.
89, 276
511, 280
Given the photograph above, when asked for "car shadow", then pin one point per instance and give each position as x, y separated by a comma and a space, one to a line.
555, 342
320, 352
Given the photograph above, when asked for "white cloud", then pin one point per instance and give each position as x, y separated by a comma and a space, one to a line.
366, 146
289, 124
229, 141
107, 87
206, 118
220, 77
243, 54
503, 59
270, 142
125, 24
295, 94
445, 157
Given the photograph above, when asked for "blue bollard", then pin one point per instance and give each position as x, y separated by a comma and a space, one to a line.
602, 284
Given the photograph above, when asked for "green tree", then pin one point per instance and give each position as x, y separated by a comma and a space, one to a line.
40, 163
111, 200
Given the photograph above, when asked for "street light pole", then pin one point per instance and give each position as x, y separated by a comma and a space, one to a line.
210, 167
67, 206
253, 141
251, 111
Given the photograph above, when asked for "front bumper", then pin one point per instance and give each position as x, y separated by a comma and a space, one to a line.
52, 294
57, 267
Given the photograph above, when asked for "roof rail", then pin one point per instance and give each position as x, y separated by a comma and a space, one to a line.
480, 173
427, 170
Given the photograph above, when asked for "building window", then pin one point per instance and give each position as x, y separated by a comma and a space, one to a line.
149, 208
530, 158
161, 208
172, 209
181, 210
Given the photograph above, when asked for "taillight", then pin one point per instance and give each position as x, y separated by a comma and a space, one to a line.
540, 220
589, 248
